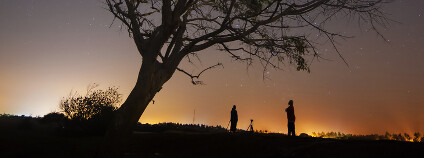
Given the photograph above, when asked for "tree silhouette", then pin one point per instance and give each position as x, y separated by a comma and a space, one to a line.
399, 137
417, 137
275, 33
388, 136
407, 137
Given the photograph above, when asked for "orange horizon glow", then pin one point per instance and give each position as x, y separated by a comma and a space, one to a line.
46, 52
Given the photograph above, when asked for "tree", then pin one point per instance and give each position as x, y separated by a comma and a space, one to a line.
407, 137
399, 137
273, 32
387, 136
417, 137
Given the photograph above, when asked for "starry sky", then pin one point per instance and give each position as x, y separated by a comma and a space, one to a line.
49, 48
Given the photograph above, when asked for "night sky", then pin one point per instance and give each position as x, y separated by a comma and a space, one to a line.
49, 48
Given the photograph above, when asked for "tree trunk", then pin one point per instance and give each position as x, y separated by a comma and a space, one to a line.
151, 77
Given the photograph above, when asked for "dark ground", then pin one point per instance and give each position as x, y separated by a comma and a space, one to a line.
21, 143
26, 137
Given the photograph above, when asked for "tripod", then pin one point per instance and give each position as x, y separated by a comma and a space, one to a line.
250, 126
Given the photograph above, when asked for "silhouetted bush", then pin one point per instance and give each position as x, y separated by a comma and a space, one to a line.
55, 120
54, 117
95, 102
304, 135
90, 114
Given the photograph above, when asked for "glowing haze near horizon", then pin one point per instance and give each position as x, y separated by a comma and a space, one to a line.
49, 48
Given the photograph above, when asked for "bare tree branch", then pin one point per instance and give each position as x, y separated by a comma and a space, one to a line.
263, 28
195, 77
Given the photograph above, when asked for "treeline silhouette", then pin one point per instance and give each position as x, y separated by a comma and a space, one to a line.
198, 128
178, 127
58, 123
416, 137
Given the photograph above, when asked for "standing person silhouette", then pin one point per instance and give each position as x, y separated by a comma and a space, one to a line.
234, 119
290, 119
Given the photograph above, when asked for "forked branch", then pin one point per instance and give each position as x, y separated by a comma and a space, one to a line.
194, 78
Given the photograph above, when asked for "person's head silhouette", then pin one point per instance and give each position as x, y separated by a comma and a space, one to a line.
234, 107
291, 102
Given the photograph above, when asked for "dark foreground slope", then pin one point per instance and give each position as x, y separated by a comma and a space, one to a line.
173, 144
